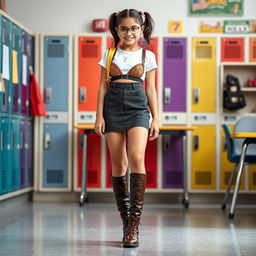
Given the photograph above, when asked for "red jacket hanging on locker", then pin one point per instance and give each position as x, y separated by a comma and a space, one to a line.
37, 107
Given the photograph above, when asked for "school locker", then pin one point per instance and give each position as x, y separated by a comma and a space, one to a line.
93, 165
15, 153
55, 152
174, 74
29, 147
16, 69
1, 85
252, 177
30, 65
6, 60
253, 49
203, 157
5, 174
172, 161
23, 154
232, 49
56, 73
203, 74
89, 52
226, 165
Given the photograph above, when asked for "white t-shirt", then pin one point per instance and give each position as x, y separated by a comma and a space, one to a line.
125, 60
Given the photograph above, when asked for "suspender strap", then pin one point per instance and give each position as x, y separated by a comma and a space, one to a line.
143, 56
137, 79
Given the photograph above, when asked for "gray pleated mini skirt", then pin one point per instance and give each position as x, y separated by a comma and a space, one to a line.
125, 106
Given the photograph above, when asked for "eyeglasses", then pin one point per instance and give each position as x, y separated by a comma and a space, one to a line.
132, 29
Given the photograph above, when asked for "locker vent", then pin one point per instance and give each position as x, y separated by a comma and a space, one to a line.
232, 52
89, 51
254, 52
203, 178
92, 177
3, 180
254, 179
174, 52
55, 176
227, 175
203, 52
55, 51
174, 178
14, 177
150, 177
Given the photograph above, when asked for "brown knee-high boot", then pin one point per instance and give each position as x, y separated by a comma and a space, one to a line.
137, 189
120, 188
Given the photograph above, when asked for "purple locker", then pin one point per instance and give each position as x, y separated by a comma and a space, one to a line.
29, 141
23, 86
174, 77
23, 158
172, 161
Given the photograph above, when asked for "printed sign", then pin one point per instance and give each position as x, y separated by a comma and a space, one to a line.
210, 26
210, 7
237, 27
175, 26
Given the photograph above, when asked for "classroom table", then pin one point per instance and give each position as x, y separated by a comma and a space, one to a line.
182, 130
249, 138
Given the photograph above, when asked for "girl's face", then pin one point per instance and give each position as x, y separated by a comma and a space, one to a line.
129, 31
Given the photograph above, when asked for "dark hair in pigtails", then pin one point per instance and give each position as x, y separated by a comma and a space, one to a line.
112, 25
148, 27
143, 19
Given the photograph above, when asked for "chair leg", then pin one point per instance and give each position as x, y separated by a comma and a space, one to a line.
230, 181
238, 180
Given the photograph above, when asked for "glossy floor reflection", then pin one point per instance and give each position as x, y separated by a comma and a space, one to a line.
95, 229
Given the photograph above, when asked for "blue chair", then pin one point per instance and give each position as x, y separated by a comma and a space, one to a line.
234, 149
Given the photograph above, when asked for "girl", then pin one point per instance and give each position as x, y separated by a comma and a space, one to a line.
122, 110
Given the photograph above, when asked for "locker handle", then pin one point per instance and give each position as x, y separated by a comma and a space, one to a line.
167, 142
47, 141
167, 95
82, 94
47, 94
12, 140
196, 95
2, 140
21, 139
196, 142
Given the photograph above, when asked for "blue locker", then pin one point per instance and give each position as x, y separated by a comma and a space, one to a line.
56, 73
55, 155
5, 174
16, 68
31, 64
29, 147
23, 154
15, 153
24, 67
6, 70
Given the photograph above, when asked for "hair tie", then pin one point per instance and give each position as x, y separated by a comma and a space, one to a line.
141, 13
117, 13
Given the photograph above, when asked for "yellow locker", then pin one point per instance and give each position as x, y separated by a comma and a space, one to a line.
252, 177
203, 75
203, 157
226, 165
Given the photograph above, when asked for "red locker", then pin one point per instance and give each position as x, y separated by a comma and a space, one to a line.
232, 49
89, 54
93, 160
252, 49
150, 165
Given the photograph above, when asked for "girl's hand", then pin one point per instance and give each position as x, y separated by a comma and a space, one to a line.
154, 130
99, 126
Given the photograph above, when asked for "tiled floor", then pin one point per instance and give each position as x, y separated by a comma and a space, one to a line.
95, 229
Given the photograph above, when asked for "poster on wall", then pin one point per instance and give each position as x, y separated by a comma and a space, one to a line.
216, 7
175, 26
237, 27
210, 26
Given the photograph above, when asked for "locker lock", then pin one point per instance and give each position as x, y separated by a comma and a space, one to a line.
196, 142
167, 95
196, 95
47, 141
167, 142
47, 94
82, 94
